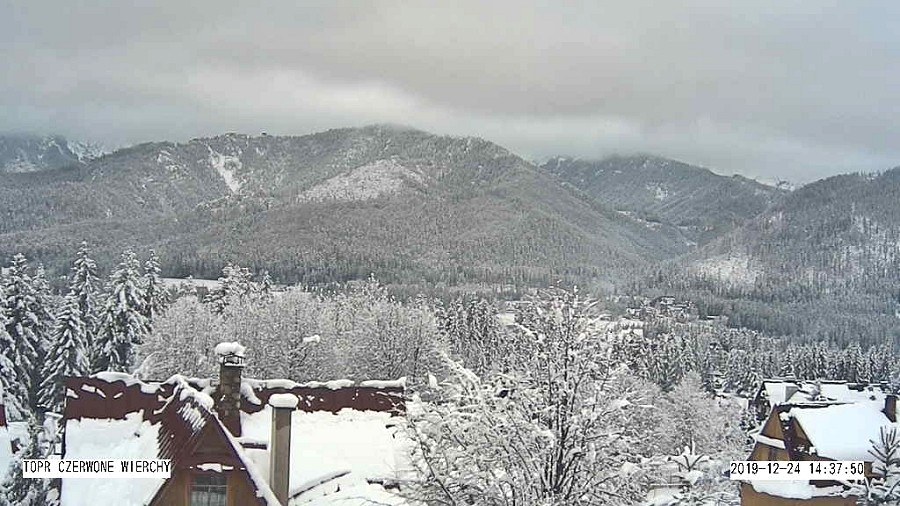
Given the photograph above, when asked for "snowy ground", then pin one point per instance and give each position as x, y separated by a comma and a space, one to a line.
737, 270
382, 177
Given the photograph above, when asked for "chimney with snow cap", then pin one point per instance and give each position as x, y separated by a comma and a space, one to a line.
283, 406
228, 394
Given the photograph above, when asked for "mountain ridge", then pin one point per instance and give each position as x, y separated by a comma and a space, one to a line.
692, 201
333, 205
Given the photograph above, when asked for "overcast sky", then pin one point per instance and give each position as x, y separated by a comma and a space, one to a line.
791, 90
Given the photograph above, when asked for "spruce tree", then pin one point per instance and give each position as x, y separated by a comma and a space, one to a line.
27, 321
13, 394
123, 323
15, 490
265, 285
69, 355
235, 284
155, 296
85, 285
884, 487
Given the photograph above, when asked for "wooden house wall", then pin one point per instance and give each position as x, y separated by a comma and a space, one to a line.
177, 491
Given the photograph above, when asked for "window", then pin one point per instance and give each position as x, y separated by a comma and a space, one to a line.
208, 490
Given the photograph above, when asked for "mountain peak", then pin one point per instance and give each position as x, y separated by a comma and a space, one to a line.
28, 152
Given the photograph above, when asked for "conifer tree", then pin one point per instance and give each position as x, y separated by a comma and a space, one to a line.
155, 296
265, 285
123, 324
15, 490
27, 321
235, 284
884, 488
69, 357
85, 285
13, 394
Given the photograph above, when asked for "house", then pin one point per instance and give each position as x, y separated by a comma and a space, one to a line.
816, 431
236, 441
775, 391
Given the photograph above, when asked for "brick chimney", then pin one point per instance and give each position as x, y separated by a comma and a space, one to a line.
890, 407
283, 406
228, 394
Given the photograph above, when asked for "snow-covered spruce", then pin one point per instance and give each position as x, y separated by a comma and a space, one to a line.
123, 324
69, 357
156, 298
28, 322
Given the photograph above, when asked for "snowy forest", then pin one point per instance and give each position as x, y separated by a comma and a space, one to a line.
558, 398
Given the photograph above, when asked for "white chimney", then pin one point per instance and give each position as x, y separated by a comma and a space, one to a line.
283, 406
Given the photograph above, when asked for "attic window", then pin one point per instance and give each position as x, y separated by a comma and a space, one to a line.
208, 490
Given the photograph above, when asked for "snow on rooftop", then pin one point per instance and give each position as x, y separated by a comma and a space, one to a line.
794, 489
766, 440
233, 348
352, 446
843, 392
89, 439
331, 385
344, 492
209, 284
398, 383
288, 401
777, 391
843, 431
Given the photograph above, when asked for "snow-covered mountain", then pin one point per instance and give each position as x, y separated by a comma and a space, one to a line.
823, 263
690, 200
401, 203
32, 153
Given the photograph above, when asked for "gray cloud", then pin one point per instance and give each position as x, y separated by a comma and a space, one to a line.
793, 90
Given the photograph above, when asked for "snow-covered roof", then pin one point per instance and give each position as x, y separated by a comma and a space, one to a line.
338, 454
794, 489
793, 391
776, 391
131, 438
210, 284
843, 431
334, 452
844, 393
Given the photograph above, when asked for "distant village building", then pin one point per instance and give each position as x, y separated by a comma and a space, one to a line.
237, 441
665, 306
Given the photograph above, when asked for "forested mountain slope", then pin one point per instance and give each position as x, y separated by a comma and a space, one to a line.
403, 204
689, 200
824, 263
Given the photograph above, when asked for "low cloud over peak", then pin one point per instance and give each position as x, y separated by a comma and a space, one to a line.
794, 90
